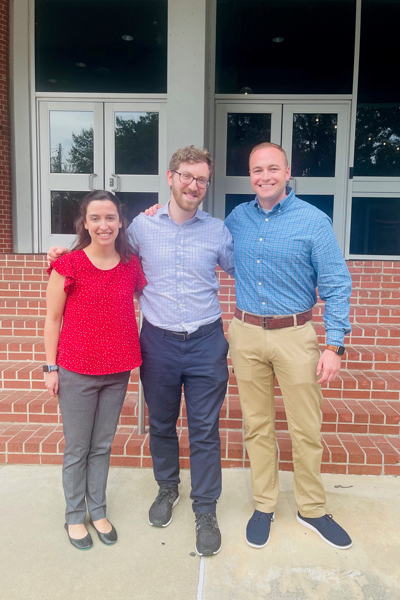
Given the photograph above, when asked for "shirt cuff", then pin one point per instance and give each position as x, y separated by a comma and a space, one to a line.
335, 337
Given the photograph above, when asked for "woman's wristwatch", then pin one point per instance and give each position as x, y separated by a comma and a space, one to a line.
49, 368
337, 349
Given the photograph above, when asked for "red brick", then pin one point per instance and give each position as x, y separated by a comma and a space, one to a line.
336, 469
364, 470
28, 459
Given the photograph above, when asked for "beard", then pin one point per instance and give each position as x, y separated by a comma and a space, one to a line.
185, 203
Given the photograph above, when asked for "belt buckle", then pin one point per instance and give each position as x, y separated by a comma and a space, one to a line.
178, 333
265, 324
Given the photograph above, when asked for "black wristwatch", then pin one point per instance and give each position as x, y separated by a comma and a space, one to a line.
337, 349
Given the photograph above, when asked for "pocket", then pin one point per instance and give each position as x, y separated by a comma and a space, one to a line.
242, 370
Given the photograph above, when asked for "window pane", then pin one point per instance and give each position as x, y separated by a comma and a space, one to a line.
377, 150
314, 145
233, 200
101, 45
64, 211
379, 52
136, 202
285, 46
324, 203
375, 226
245, 130
71, 141
136, 143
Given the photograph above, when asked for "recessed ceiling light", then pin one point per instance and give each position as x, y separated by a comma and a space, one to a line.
80, 64
278, 40
245, 91
127, 38
155, 22
52, 80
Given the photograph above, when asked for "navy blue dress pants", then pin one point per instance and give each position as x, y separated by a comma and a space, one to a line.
199, 364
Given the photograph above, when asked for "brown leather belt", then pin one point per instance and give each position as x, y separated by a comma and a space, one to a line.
273, 322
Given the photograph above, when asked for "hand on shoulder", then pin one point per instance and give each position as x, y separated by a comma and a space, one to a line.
54, 252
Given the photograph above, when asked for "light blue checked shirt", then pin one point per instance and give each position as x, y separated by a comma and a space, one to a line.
179, 263
280, 259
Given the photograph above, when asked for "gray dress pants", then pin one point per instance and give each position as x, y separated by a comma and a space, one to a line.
90, 407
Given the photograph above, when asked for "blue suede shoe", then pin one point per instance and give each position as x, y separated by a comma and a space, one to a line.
258, 529
328, 530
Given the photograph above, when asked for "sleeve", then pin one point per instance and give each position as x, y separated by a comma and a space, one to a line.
64, 266
131, 234
225, 254
333, 282
140, 279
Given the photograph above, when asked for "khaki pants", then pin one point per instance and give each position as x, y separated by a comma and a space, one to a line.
291, 354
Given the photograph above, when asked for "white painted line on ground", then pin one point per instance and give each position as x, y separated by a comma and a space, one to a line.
201, 578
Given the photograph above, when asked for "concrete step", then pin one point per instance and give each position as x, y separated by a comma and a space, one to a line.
343, 453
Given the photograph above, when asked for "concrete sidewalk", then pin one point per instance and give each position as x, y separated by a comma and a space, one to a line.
37, 562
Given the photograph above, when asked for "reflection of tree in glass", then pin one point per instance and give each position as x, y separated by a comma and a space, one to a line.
244, 132
377, 149
80, 158
136, 145
314, 145
64, 210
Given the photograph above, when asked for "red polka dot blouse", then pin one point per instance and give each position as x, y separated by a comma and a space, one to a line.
99, 334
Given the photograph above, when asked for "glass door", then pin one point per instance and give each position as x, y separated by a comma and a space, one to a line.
135, 154
315, 138
120, 147
71, 164
239, 128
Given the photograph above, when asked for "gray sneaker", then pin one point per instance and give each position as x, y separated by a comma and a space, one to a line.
160, 513
208, 535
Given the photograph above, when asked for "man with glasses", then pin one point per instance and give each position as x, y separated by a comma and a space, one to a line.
182, 339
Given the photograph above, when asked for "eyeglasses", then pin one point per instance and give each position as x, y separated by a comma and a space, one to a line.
187, 180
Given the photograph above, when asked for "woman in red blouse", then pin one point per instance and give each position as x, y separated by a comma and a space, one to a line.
90, 357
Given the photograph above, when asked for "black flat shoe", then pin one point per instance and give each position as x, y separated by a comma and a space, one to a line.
83, 544
107, 538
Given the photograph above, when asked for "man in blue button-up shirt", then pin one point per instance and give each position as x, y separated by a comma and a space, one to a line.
182, 339
284, 249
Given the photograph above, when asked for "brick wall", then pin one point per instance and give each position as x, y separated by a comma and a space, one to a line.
361, 410
5, 141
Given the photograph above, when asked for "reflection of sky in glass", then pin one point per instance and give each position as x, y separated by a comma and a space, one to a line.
62, 125
130, 116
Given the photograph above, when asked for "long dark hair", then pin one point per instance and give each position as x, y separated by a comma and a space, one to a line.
83, 237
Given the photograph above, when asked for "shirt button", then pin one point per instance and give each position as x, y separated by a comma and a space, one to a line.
259, 261
261, 239
266, 219
263, 303
259, 283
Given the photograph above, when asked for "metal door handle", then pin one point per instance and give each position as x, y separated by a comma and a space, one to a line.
114, 182
91, 177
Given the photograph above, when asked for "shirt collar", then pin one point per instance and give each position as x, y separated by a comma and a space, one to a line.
200, 214
282, 204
